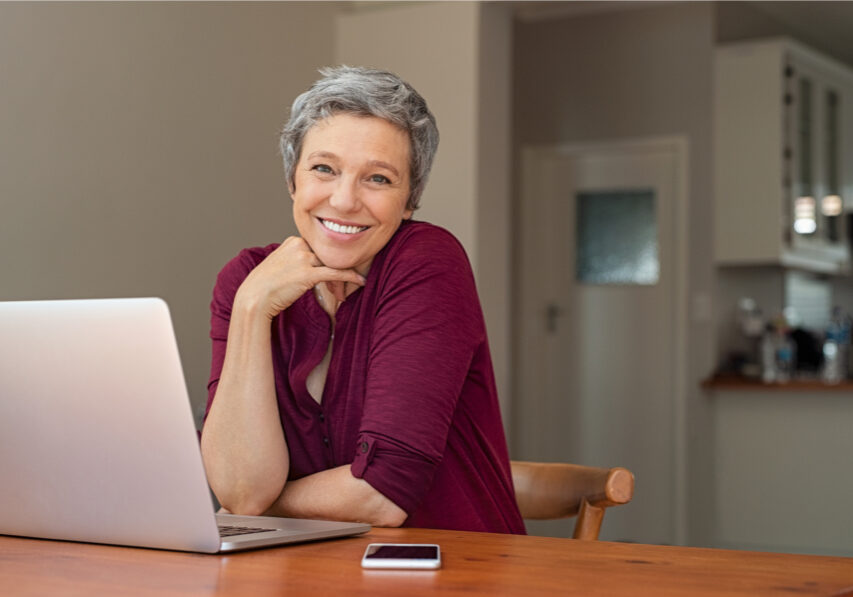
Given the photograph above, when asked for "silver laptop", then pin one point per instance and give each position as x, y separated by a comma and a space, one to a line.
97, 440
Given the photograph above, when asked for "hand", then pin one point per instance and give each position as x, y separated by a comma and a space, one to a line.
289, 272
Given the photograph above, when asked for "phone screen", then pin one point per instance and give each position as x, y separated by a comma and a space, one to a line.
402, 552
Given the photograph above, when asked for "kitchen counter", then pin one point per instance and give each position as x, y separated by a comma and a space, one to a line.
781, 465
739, 383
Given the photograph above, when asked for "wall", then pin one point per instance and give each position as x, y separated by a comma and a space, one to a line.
464, 76
640, 72
138, 147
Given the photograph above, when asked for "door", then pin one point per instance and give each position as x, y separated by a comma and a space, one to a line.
601, 314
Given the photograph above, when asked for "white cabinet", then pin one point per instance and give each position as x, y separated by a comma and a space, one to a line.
783, 153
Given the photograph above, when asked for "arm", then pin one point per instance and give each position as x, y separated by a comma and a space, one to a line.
335, 494
243, 445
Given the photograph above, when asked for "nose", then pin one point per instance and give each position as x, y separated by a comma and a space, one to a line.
344, 198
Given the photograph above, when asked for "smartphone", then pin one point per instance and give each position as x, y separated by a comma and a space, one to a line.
404, 556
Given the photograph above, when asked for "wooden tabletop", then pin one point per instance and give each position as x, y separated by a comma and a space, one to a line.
473, 563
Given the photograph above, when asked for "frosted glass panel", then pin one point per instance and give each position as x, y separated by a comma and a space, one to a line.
617, 237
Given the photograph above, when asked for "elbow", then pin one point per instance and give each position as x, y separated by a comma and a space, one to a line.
390, 516
249, 503
247, 508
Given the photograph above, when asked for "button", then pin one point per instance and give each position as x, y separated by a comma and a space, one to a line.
322, 417
326, 440
364, 447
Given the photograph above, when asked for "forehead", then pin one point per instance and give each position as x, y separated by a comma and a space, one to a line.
355, 136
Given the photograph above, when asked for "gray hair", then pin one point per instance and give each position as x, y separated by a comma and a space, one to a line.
365, 92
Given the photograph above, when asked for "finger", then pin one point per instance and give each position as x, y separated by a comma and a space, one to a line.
328, 274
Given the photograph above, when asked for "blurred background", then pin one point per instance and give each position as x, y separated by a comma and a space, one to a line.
631, 181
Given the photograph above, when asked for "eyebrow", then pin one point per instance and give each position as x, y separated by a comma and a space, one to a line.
322, 154
371, 163
386, 165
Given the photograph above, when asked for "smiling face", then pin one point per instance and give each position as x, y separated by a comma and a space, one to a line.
350, 190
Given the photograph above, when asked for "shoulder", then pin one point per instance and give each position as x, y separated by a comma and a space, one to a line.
249, 258
424, 258
237, 268
424, 242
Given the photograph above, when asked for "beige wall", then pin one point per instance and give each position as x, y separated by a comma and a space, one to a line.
457, 54
138, 147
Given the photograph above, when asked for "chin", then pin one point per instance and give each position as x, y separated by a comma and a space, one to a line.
337, 261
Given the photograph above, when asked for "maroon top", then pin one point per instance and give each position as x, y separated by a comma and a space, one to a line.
410, 398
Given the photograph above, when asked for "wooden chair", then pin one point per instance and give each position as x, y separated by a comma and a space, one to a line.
548, 490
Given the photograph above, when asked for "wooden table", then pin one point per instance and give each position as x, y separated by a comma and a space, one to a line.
474, 563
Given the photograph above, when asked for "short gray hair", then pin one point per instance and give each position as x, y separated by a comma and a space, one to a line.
365, 92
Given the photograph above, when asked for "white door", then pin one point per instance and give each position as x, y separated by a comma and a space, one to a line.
600, 355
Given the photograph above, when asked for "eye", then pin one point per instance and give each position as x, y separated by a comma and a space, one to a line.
378, 178
323, 168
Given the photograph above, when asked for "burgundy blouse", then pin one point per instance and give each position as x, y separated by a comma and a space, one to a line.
410, 399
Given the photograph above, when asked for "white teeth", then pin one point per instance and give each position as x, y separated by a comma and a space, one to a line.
342, 229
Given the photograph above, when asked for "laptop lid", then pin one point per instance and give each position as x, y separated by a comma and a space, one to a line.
97, 439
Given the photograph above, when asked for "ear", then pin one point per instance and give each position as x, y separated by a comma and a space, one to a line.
408, 214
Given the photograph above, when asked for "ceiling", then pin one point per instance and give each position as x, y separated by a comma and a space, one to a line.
826, 25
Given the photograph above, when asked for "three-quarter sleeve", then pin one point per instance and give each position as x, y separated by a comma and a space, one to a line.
427, 327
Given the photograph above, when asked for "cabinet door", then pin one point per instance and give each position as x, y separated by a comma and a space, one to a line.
813, 160
831, 202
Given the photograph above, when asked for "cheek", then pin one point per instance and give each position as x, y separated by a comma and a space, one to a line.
303, 198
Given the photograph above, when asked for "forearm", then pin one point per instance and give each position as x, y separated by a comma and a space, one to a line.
243, 445
334, 494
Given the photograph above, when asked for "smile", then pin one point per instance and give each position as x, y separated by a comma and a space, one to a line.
334, 227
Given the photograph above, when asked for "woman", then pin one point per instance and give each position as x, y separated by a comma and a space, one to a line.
351, 376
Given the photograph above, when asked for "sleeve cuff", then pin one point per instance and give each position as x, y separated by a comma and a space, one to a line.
398, 474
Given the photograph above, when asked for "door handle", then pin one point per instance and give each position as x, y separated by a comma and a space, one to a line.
552, 312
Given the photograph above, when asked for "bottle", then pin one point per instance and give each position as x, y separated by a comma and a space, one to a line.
778, 352
768, 355
786, 357
836, 345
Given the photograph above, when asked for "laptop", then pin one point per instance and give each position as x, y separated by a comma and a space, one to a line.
97, 439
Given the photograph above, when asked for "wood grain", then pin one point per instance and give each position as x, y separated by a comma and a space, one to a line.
478, 563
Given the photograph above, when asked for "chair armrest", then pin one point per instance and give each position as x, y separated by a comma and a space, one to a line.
547, 490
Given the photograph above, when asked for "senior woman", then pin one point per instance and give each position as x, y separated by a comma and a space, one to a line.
351, 376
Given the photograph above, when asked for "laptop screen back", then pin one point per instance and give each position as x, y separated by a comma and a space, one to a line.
97, 438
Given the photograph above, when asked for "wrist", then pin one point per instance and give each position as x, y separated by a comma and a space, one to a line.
249, 307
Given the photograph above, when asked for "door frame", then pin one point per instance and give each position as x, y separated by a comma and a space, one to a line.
532, 291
